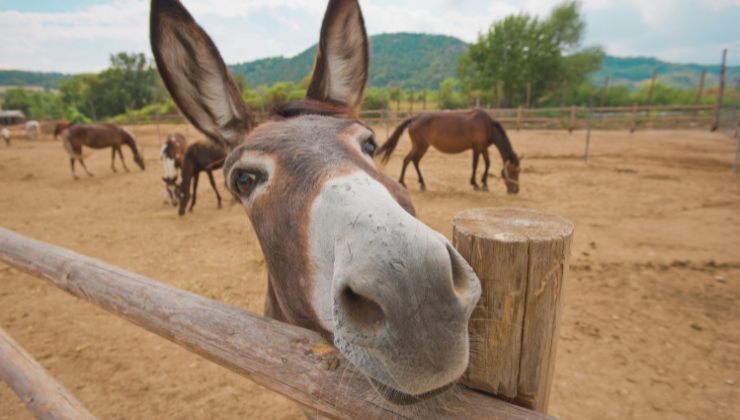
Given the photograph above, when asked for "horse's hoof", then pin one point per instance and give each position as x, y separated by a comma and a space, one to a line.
476, 188
423, 187
485, 188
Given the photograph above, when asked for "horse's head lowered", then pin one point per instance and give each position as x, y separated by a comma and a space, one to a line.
345, 255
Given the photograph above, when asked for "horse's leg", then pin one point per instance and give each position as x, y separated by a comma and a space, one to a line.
476, 155
213, 185
406, 162
113, 159
484, 178
417, 158
72, 164
123, 162
82, 162
195, 190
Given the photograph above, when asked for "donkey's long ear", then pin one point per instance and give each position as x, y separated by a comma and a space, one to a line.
341, 68
196, 76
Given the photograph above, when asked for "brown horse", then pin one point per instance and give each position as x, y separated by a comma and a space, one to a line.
199, 157
172, 156
456, 132
97, 136
344, 253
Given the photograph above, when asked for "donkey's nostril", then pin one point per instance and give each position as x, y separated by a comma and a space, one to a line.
362, 311
462, 280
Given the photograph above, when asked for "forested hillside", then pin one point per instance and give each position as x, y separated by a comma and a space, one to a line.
411, 61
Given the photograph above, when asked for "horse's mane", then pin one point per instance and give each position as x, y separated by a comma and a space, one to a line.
504, 145
61, 126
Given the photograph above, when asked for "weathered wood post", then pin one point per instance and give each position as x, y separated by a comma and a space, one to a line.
521, 257
737, 152
604, 91
720, 92
529, 94
588, 124
41, 394
633, 126
700, 92
519, 112
650, 98
572, 119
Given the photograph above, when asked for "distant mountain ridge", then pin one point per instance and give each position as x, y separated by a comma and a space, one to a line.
412, 61
422, 61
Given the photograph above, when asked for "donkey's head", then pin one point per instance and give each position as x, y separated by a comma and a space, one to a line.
346, 257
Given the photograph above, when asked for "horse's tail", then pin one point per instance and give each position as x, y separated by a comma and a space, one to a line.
390, 145
70, 149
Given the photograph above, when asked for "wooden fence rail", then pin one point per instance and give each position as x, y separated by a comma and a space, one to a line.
43, 396
293, 361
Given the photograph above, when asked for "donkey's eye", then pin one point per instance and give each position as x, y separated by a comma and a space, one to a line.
369, 146
245, 181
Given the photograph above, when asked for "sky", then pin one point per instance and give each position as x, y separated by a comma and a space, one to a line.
74, 36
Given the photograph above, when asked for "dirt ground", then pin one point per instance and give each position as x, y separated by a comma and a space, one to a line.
651, 327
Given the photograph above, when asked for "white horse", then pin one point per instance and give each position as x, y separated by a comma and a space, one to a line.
5, 134
33, 129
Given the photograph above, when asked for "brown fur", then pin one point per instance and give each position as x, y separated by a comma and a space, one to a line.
456, 132
199, 157
302, 164
175, 147
98, 136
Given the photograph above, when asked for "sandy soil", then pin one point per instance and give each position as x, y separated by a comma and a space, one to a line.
651, 327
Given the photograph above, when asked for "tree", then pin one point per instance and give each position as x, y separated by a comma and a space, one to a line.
523, 49
449, 97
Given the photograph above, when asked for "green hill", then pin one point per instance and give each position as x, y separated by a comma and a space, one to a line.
27, 78
636, 70
412, 61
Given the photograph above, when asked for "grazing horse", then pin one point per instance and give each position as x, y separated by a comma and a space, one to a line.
344, 253
199, 157
98, 136
172, 156
33, 129
5, 134
456, 132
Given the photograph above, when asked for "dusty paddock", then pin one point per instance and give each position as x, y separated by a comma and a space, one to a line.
652, 319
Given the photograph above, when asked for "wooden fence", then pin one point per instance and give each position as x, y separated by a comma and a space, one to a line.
520, 256
572, 118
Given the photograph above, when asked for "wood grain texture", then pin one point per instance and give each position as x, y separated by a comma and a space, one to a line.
293, 361
521, 258
43, 395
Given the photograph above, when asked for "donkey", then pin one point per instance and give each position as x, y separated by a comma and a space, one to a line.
456, 132
5, 134
172, 156
199, 157
33, 129
98, 136
345, 255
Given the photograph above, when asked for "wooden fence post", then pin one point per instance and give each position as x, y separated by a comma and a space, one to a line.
720, 92
700, 92
737, 152
529, 94
588, 124
521, 258
41, 394
572, 118
519, 112
604, 91
635, 109
650, 97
